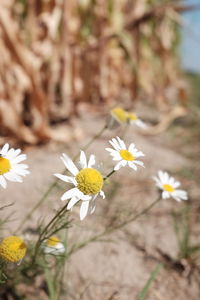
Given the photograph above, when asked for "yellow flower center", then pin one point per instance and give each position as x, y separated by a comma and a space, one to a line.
168, 188
4, 165
119, 114
53, 241
90, 181
126, 155
132, 117
12, 249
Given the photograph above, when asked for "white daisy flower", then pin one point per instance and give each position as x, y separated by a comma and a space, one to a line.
10, 166
133, 119
168, 186
123, 155
54, 246
88, 184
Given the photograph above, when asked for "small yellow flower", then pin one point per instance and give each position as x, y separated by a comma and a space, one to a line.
132, 116
119, 114
54, 246
133, 119
122, 116
53, 241
169, 187
12, 249
123, 155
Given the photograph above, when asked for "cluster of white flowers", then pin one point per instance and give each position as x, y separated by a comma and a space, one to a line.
87, 183
87, 180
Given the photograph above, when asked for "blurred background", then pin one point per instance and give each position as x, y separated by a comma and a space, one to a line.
60, 56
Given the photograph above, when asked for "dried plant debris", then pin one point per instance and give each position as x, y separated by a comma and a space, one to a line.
56, 54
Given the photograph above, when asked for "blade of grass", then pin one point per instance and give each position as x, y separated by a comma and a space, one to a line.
142, 295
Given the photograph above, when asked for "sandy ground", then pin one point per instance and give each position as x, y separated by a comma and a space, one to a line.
119, 267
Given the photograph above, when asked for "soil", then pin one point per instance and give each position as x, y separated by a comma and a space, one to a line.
118, 266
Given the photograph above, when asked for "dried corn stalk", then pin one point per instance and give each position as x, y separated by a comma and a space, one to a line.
56, 54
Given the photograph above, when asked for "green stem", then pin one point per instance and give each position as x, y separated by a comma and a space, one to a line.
53, 184
95, 137
143, 212
109, 174
117, 227
42, 235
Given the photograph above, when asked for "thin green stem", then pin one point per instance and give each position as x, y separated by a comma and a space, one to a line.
132, 219
109, 174
53, 184
42, 235
117, 227
95, 137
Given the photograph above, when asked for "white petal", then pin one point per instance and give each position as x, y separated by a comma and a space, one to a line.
72, 202
165, 195
180, 194
69, 164
92, 209
121, 143
66, 178
93, 204
13, 177
84, 197
17, 152
171, 181
161, 176
132, 165
109, 150
138, 154
115, 144
138, 162
3, 182
55, 250
83, 160
20, 166
115, 155
131, 147
84, 209
166, 177
70, 194
176, 198
4, 149
60, 248
113, 152
91, 161
23, 172
19, 158
119, 165
140, 123
158, 182
20, 171
102, 194
10, 153
176, 184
